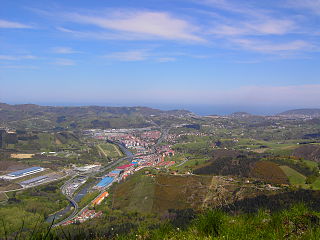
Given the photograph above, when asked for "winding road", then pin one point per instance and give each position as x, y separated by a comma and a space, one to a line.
128, 156
71, 200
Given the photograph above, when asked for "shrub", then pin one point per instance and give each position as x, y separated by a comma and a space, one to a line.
210, 223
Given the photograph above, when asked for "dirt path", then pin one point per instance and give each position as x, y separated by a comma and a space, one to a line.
102, 151
117, 150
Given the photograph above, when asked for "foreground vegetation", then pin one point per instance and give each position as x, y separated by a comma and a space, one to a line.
298, 222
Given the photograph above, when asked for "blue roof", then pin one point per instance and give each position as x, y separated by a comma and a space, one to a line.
134, 163
105, 182
115, 171
21, 172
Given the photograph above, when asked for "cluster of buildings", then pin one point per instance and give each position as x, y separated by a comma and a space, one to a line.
139, 140
88, 168
84, 216
22, 173
32, 181
165, 151
73, 185
40, 180
87, 214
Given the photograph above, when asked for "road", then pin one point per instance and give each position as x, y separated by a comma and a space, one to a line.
183, 162
164, 133
75, 212
71, 200
129, 156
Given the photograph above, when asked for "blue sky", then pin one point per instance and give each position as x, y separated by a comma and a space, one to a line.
260, 56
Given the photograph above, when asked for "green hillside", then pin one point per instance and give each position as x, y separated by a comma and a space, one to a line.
295, 177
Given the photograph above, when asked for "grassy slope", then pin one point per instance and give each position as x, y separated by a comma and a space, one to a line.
3, 197
31, 206
148, 194
296, 223
160, 193
269, 171
136, 194
295, 177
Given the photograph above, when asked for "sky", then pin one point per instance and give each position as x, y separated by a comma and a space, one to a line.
208, 56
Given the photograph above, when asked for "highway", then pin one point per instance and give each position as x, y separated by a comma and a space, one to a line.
71, 200
76, 211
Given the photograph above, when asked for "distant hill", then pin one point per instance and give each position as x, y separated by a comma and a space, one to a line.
309, 151
44, 117
245, 116
241, 114
309, 112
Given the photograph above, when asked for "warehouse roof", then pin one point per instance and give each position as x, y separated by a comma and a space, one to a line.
21, 172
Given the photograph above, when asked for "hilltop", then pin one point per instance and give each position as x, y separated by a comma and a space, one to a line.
50, 117
311, 112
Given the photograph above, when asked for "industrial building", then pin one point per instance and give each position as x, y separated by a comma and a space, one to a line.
34, 181
104, 182
125, 167
99, 199
115, 173
24, 172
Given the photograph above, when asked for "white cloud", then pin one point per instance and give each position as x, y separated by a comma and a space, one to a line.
102, 35
10, 24
16, 58
258, 27
64, 62
248, 27
271, 47
128, 56
141, 25
311, 5
166, 59
238, 7
64, 50
18, 67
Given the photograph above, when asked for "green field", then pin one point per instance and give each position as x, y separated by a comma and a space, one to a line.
136, 194
316, 184
88, 198
110, 150
295, 177
311, 164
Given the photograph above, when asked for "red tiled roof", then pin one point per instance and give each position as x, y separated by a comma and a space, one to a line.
125, 166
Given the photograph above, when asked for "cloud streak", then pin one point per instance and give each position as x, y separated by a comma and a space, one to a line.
141, 25
17, 58
271, 47
129, 56
63, 50
64, 62
10, 24
311, 5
